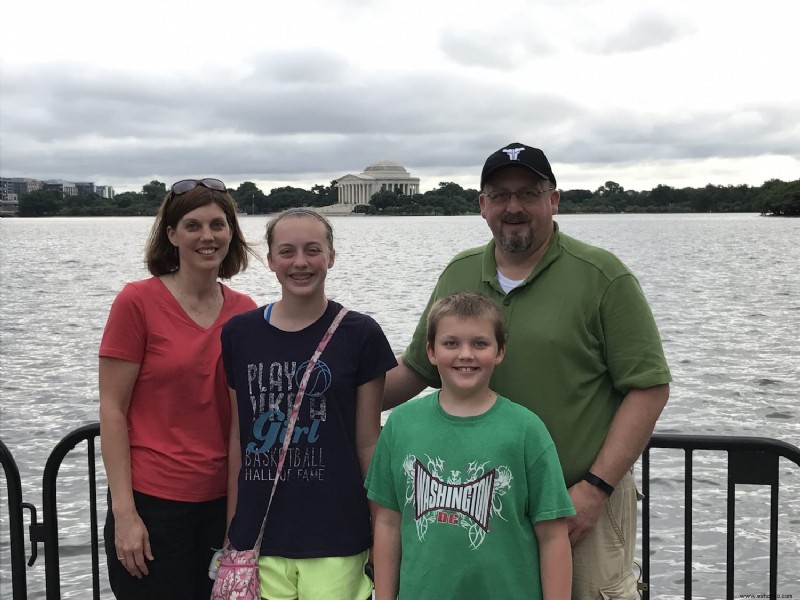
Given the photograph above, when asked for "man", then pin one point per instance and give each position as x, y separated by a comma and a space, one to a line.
583, 353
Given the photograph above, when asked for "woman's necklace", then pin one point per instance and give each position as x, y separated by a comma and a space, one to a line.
193, 305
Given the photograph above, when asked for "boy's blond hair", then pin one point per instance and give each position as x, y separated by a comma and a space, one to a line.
467, 305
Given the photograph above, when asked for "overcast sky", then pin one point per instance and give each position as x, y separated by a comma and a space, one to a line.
120, 92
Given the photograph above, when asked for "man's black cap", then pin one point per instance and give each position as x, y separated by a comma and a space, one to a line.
518, 155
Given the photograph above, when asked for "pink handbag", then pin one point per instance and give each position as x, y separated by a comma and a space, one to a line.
237, 578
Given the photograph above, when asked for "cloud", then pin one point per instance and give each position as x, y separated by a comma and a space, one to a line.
597, 86
758, 130
643, 32
268, 122
309, 66
501, 50
255, 122
77, 115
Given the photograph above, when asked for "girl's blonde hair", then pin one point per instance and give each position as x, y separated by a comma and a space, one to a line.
298, 212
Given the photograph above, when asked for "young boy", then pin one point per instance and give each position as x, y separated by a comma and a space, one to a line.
471, 497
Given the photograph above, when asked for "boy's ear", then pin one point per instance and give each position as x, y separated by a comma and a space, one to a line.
501, 352
431, 353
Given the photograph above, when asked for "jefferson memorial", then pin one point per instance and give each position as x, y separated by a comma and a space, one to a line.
380, 175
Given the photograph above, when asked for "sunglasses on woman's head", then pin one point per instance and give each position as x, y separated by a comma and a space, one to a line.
185, 185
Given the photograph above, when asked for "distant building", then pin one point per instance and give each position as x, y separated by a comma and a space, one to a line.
380, 175
59, 186
14, 188
85, 188
6, 189
21, 186
9, 200
9, 206
105, 191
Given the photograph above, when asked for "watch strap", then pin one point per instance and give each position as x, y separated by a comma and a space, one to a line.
599, 483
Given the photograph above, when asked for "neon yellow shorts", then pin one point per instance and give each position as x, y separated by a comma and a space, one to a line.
329, 578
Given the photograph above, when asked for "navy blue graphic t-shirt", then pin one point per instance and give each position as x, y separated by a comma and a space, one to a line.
320, 507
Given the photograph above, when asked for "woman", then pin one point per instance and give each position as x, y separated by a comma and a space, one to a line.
164, 405
317, 537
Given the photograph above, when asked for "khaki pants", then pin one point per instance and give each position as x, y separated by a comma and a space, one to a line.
602, 564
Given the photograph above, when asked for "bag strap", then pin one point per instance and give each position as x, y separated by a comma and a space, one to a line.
301, 390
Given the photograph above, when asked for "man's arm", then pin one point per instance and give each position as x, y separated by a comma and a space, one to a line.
626, 440
401, 384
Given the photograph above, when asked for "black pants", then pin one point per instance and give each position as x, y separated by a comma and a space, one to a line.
182, 538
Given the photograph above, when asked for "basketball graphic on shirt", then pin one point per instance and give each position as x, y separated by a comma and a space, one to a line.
320, 379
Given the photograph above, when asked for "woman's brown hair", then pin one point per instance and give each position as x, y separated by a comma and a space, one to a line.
162, 257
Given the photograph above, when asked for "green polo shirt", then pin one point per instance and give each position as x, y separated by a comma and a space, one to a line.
581, 335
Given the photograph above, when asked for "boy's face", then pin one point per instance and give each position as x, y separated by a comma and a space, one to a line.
465, 352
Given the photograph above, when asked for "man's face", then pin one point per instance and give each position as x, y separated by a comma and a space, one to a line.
519, 207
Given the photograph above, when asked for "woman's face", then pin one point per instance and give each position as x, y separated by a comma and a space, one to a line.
202, 238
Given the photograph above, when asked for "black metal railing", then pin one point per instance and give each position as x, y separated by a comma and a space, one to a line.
49, 528
19, 589
751, 460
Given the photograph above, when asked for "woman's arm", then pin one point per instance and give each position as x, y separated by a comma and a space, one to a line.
555, 558
387, 552
234, 460
116, 380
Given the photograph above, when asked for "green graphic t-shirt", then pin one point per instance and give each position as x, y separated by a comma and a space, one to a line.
469, 490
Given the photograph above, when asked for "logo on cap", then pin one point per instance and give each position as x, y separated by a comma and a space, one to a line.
513, 153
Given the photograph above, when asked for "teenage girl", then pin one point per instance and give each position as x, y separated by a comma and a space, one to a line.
317, 537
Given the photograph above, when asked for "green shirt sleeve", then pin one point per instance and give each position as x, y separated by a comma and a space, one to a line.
634, 352
380, 482
415, 356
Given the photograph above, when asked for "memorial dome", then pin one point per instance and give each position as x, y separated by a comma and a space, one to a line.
386, 166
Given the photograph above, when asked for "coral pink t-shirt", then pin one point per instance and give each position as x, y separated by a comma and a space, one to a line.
179, 415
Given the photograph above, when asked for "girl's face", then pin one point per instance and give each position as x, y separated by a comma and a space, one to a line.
300, 255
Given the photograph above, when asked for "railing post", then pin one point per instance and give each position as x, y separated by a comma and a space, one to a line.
50, 509
755, 468
687, 526
646, 524
19, 584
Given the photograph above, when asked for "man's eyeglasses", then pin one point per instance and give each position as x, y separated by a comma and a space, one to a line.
185, 185
526, 196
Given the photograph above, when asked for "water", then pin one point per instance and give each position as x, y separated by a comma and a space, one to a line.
724, 290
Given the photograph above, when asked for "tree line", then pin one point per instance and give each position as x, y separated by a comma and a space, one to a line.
774, 197
248, 197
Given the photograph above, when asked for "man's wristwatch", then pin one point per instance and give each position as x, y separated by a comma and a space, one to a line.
599, 483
